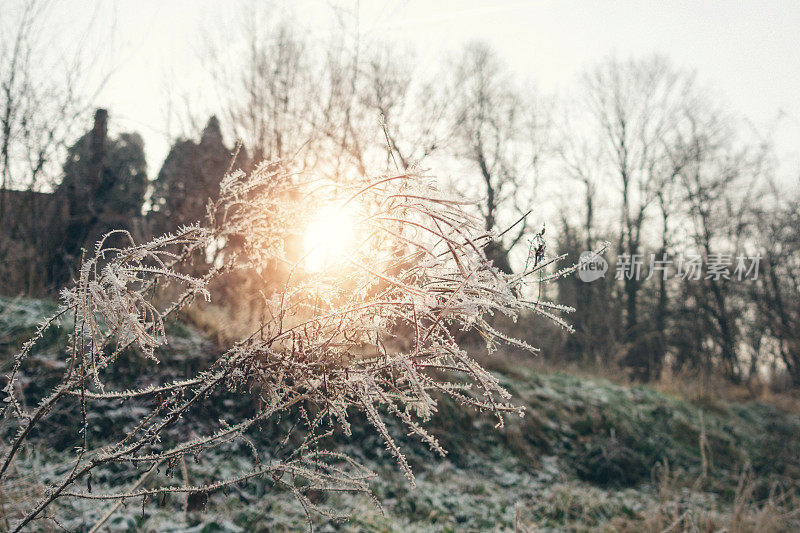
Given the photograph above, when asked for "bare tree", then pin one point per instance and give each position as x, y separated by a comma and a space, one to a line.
778, 293
44, 94
265, 82
634, 104
596, 329
503, 136
411, 109
720, 181
633, 108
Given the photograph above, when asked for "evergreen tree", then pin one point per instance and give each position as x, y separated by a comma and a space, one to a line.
120, 191
190, 176
104, 186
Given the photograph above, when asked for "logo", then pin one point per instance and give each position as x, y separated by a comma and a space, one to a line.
591, 266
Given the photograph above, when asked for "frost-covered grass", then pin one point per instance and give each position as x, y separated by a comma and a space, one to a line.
342, 331
588, 455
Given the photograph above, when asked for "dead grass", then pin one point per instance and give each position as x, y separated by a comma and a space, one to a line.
682, 510
715, 389
710, 392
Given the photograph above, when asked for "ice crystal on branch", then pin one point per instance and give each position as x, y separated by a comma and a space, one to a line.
367, 326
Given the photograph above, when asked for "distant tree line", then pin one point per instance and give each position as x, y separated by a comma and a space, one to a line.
640, 154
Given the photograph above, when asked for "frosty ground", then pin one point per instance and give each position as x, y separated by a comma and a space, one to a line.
589, 454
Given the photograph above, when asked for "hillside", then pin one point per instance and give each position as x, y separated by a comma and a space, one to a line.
588, 454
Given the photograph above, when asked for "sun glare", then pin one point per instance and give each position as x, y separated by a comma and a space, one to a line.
328, 237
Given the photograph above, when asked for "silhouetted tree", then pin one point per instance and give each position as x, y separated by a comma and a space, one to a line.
190, 175
104, 186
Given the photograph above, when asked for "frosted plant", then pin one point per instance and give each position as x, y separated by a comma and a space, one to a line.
375, 277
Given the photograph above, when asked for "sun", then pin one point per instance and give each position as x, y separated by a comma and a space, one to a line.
328, 237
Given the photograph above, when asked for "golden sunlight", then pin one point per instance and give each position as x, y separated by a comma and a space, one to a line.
328, 236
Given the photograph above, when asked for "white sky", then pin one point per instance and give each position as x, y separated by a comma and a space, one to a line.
748, 51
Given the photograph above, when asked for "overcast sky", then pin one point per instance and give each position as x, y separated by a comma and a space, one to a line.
748, 51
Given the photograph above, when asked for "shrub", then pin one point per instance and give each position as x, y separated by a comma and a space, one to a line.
366, 326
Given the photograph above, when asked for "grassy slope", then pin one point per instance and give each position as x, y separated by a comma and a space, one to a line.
588, 454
